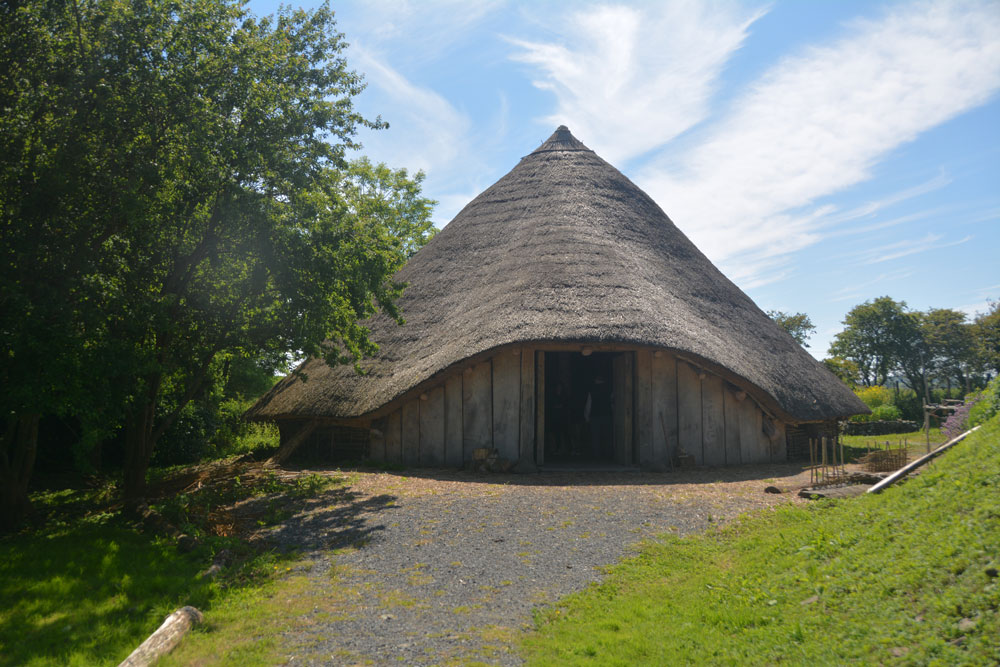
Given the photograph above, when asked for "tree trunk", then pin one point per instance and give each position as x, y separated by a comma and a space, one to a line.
17, 460
138, 450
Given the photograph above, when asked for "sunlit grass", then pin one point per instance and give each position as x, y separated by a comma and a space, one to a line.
905, 575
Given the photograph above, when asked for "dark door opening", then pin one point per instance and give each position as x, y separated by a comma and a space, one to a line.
579, 407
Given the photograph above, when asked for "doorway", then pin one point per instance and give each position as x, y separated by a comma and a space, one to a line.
585, 398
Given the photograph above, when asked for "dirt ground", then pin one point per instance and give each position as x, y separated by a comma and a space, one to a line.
445, 566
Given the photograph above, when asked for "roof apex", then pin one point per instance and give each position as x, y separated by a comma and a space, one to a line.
561, 140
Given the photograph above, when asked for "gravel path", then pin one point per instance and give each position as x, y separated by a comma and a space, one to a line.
447, 567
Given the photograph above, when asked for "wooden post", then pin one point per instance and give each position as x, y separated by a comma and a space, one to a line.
540, 411
290, 445
164, 640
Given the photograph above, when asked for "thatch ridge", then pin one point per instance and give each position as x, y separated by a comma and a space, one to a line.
564, 248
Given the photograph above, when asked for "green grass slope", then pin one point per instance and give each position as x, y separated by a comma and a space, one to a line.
907, 577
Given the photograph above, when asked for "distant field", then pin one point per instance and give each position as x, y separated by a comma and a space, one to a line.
908, 575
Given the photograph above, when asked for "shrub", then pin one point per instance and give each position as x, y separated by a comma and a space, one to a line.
885, 412
958, 422
873, 397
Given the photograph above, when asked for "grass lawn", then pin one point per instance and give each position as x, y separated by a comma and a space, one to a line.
89, 586
856, 446
906, 576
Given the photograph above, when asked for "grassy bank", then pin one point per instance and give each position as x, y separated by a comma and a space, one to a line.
90, 585
908, 576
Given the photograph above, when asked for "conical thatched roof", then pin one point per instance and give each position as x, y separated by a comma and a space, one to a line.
566, 248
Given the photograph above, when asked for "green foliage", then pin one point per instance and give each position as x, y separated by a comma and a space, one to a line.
845, 369
797, 325
880, 400
886, 412
863, 580
88, 588
875, 396
175, 194
986, 331
881, 336
987, 405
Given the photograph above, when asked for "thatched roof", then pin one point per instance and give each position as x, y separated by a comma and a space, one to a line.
565, 248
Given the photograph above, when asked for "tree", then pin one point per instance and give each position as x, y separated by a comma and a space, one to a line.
798, 325
845, 369
986, 331
184, 182
881, 336
951, 345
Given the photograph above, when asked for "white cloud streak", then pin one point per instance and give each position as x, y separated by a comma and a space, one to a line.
817, 123
908, 247
629, 79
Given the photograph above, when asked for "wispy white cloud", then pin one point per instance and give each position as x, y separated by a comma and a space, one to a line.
817, 123
908, 247
418, 32
426, 131
629, 79
863, 290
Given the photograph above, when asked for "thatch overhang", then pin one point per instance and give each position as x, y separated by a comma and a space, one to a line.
564, 249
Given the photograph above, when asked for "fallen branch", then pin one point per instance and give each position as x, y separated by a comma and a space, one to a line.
902, 472
164, 639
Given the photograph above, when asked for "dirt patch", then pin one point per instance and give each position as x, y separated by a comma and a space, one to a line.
439, 566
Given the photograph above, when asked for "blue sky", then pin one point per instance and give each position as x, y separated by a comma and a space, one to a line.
820, 153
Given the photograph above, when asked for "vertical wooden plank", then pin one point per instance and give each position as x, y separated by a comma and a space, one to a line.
713, 421
411, 432
393, 438
751, 435
477, 408
644, 407
540, 412
624, 417
731, 406
779, 446
689, 411
664, 387
432, 428
376, 440
526, 440
506, 402
453, 447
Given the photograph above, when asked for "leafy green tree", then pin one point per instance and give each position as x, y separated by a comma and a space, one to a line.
798, 325
986, 331
845, 369
176, 190
951, 344
882, 336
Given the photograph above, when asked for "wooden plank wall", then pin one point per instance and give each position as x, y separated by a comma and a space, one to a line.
624, 404
454, 449
432, 428
393, 438
376, 442
664, 400
713, 421
644, 421
753, 444
731, 406
507, 403
477, 408
540, 418
689, 411
493, 404
526, 440
410, 439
